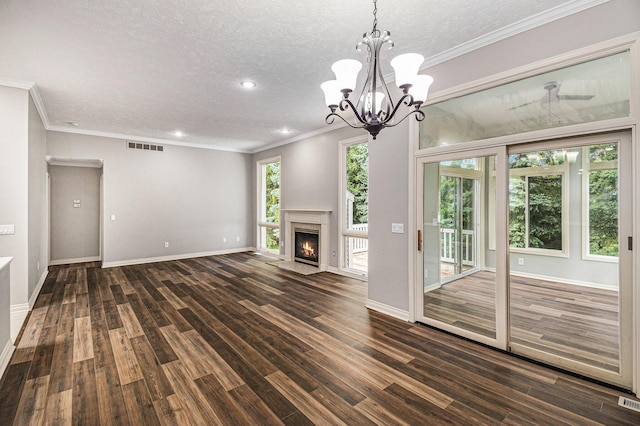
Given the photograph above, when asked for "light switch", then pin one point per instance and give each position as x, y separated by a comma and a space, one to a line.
113, 217
7, 229
397, 228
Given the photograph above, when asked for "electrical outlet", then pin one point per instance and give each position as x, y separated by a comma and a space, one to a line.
166, 244
521, 261
224, 239
238, 239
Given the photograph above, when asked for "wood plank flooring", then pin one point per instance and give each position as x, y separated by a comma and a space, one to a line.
232, 340
570, 321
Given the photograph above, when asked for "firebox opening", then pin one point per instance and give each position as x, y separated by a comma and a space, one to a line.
307, 246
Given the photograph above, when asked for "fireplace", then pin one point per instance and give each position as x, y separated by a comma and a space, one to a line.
307, 250
306, 241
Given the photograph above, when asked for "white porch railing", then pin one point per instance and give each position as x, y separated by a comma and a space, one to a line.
359, 245
448, 246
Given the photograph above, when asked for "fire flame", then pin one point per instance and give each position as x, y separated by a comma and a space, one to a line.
308, 250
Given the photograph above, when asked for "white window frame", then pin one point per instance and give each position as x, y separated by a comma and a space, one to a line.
342, 190
562, 171
261, 224
588, 166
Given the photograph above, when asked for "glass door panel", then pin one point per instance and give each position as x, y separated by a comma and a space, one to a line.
569, 255
458, 256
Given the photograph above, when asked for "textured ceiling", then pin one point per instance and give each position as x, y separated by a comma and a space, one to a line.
145, 68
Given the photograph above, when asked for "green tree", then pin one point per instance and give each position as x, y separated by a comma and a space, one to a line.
603, 202
539, 197
358, 181
272, 203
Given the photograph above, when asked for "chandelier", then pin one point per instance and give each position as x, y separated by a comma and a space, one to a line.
375, 109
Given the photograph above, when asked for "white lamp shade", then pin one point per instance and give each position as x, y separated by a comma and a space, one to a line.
346, 71
332, 94
406, 67
379, 99
420, 88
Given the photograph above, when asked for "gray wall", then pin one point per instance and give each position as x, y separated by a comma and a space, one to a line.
37, 201
389, 155
310, 177
75, 231
14, 145
389, 203
191, 198
5, 283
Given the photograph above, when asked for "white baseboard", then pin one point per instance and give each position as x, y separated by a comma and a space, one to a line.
337, 271
18, 314
75, 260
5, 356
566, 281
36, 291
432, 287
387, 310
173, 257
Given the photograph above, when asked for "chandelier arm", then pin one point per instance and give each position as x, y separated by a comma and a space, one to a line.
346, 104
330, 119
419, 117
406, 100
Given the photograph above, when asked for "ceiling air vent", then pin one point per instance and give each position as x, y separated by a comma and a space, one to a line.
144, 146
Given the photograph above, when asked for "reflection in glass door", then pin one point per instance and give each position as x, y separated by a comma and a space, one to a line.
569, 219
547, 273
458, 221
458, 258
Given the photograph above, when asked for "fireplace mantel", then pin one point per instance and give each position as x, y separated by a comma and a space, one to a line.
317, 217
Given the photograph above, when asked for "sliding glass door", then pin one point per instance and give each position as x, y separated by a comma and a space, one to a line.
460, 290
528, 249
570, 270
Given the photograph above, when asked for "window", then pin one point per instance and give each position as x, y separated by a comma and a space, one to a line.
269, 205
601, 192
354, 245
537, 201
591, 91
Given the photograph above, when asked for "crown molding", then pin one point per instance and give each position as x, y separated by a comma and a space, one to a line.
18, 84
125, 137
37, 100
518, 27
307, 135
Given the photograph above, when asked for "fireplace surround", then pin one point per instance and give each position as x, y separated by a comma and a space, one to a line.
310, 222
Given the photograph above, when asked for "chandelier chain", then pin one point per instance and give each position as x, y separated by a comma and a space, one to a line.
375, 16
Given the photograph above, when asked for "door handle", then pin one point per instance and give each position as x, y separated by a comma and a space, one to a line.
419, 240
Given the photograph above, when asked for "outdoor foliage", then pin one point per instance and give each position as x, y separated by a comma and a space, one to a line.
272, 203
603, 202
544, 204
449, 202
358, 181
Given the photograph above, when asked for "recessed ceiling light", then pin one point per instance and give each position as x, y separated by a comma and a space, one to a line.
285, 131
178, 133
248, 84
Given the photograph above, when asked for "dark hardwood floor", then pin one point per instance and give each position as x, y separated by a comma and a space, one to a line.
234, 340
571, 321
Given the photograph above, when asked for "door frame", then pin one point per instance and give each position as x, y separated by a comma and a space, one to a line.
625, 264
502, 254
629, 303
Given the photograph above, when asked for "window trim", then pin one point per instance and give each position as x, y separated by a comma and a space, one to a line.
260, 194
563, 171
588, 166
343, 232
